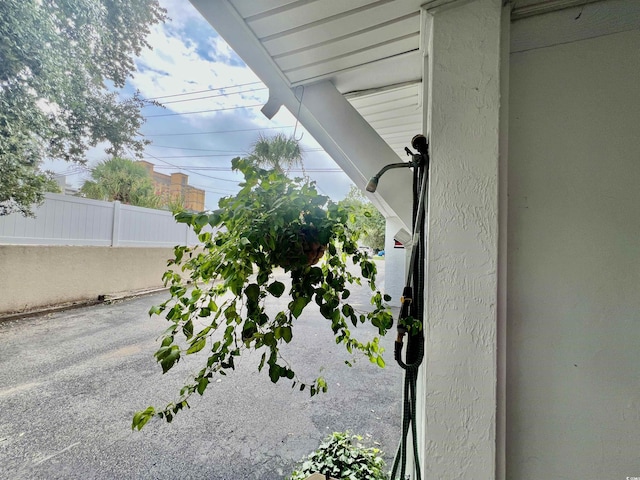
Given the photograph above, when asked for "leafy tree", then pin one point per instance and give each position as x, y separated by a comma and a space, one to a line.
279, 153
20, 187
63, 64
365, 218
123, 180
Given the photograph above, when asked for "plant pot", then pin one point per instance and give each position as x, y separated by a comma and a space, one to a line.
314, 252
303, 248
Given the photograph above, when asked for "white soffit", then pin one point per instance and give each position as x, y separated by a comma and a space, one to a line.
369, 50
395, 113
312, 40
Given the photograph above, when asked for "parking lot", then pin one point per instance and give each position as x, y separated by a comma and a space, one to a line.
71, 381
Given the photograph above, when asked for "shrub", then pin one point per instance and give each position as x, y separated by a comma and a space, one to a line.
341, 455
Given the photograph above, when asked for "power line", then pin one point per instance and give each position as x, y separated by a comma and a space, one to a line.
201, 91
199, 156
215, 96
225, 154
208, 189
71, 173
194, 149
190, 167
229, 169
188, 170
204, 111
216, 131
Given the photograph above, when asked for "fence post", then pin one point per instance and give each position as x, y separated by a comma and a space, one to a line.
115, 231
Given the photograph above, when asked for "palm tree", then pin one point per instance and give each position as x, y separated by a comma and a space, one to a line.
279, 152
123, 180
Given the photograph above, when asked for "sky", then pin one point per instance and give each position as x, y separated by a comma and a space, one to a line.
192, 69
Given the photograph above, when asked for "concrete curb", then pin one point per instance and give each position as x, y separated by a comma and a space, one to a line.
106, 299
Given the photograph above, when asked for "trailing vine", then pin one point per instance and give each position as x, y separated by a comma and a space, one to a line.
219, 290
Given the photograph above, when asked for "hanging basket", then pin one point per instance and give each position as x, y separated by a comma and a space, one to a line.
300, 249
314, 252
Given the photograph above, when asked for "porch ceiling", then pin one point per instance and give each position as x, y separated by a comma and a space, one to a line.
370, 52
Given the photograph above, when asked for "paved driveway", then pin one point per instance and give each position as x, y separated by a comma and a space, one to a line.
70, 383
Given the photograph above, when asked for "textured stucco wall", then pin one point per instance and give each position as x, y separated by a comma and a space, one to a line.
573, 390
459, 374
37, 276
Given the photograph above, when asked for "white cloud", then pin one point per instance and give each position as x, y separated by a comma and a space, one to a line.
222, 50
180, 12
174, 66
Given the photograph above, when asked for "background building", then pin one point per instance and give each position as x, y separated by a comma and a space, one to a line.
175, 187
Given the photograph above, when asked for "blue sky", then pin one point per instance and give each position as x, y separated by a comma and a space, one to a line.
192, 69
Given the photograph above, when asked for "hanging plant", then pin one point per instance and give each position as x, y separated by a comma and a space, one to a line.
219, 290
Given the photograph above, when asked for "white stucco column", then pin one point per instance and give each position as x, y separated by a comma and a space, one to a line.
458, 379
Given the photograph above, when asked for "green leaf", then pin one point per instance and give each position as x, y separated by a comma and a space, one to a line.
184, 217
327, 311
276, 289
214, 218
368, 269
197, 345
298, 305
230, 312
141, 417
274, 372
187, 329
202, 385
262, 360
252, 291
195, 295
287, 334
202, 220
167, 361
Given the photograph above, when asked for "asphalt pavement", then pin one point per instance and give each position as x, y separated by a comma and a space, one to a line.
71, 381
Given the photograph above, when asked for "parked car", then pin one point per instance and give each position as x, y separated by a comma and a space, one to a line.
367, 250
381, 253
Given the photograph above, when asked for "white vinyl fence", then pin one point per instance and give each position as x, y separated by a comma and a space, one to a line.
68, 220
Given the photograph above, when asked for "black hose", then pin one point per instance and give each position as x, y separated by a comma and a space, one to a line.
412, 305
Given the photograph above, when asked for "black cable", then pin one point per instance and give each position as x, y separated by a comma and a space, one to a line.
201, 91
204, 111
412, 305
216, 131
